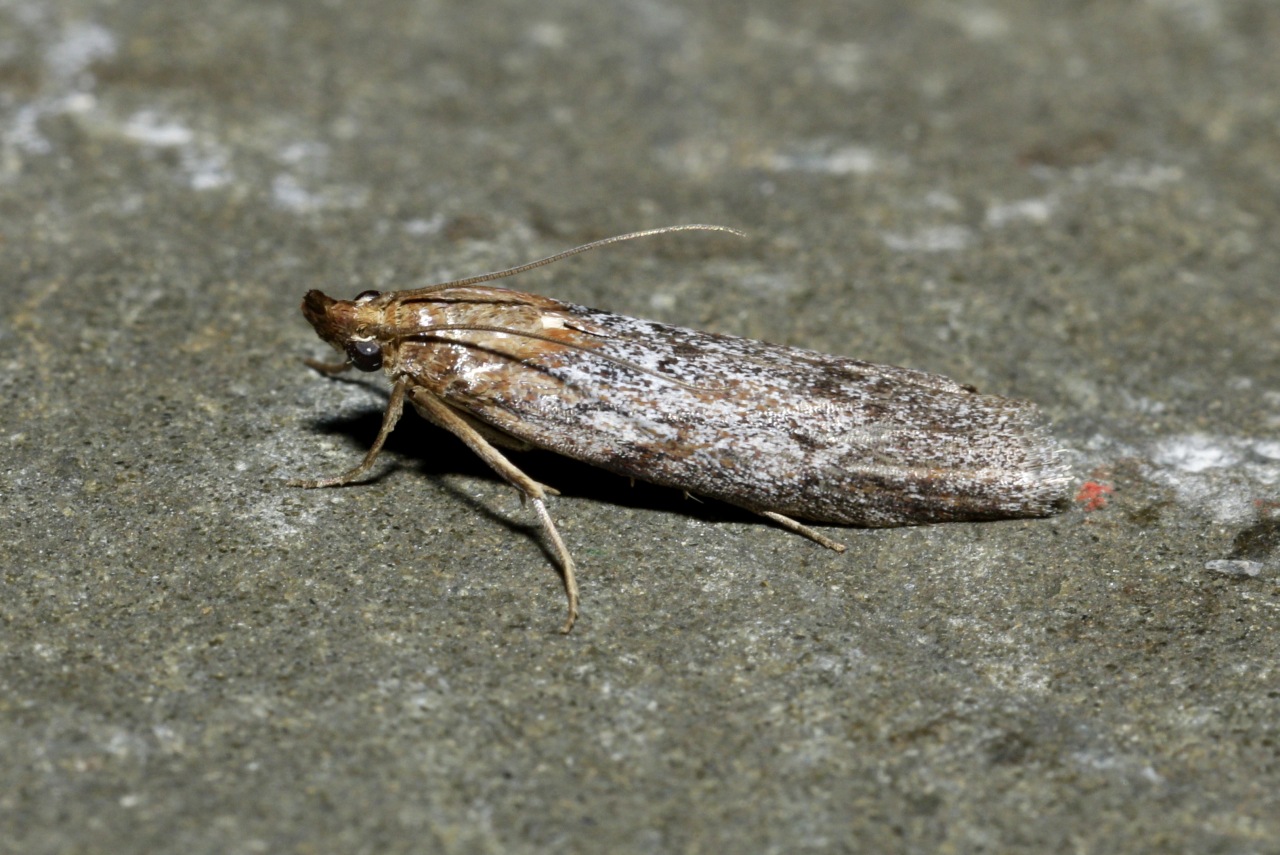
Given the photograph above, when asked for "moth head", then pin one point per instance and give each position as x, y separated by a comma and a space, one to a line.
344, 324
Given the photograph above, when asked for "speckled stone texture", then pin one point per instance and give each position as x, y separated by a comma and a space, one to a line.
1071, 203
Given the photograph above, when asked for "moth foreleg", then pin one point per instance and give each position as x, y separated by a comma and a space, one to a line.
394, 408
800, 528
446, 417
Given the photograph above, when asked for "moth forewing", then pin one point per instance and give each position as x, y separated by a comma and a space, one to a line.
782, 431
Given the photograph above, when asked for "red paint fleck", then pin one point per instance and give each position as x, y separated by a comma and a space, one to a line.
1094, 495
1267, 508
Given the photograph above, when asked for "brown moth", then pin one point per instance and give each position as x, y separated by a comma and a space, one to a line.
784, 432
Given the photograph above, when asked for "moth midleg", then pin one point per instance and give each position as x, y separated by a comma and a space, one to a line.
500, 439
446, 417
800, 528
394, 408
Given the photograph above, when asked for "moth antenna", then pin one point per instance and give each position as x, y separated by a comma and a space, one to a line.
616, 360
542, 262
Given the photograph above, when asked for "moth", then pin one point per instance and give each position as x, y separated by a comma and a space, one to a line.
784, 432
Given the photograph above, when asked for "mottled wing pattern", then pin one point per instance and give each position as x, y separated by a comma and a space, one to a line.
769, 427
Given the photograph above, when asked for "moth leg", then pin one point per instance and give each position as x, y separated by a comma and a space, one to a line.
443, 415
799, 528
394, 408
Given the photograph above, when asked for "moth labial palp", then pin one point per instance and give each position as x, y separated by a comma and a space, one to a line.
784, 432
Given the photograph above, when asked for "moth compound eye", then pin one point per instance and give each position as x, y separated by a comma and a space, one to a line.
365, 355
366, 296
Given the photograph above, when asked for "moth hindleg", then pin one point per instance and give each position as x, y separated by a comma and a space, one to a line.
800, 528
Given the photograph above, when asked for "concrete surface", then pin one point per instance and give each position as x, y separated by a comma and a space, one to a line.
1077, 203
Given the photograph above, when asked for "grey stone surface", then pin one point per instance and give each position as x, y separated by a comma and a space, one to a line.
1075, 203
